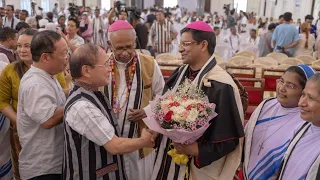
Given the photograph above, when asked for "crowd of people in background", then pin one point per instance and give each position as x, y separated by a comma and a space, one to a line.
235, 29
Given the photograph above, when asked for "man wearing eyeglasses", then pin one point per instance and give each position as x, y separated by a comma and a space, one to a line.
135, 80
40, 109
10, 20
217, 153
90, 126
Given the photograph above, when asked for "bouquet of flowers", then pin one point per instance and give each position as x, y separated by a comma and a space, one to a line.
182, 115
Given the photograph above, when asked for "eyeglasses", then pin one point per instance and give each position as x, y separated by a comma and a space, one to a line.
186, 44
287, 86
309, 98
106, 64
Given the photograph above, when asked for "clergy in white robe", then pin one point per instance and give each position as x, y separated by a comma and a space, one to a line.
273, 124
98, 29
217, 32
135, 80
302, 159
233, 40
253, 39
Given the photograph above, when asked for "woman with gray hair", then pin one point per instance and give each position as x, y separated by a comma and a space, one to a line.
32, 22
302, 158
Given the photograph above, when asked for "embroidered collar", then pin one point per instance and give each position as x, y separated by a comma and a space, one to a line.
86, 86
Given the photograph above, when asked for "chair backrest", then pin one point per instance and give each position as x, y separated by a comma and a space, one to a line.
255, 93
247, 54
167, 59
317, 68
268, 61
259, 66
259, 69
292, 61
282, 67
270, 76
242, 72
241, 60
224, 50
277, 56
224, 64
306, 59
167, 71
316, 63
218, 58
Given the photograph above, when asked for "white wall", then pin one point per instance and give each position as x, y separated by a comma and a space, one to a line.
253, 6
15, 3
191, 5
148, 3
298, 8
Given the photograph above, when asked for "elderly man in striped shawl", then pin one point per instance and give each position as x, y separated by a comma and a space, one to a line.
135, 80
93, 145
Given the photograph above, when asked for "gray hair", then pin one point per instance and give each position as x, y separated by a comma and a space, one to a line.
31, 21
316, 78
86, 54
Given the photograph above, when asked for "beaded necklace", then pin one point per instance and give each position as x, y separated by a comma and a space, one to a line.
131, 66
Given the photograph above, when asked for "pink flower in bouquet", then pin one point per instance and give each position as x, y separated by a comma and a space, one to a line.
160, 117
182, 114
175, 103
200, 107
189, 107
184, 98
165, 108
185, 114
168, 117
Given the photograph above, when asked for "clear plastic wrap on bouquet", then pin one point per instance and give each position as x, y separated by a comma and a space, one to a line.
182, 115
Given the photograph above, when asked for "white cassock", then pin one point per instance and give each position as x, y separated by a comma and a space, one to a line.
252, 41
234, 41
219, 39
98, 32
136, 168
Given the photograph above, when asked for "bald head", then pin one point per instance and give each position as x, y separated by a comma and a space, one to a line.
122, 43
84, 55
130, 33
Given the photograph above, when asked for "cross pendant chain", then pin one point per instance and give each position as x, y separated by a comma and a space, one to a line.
261, 147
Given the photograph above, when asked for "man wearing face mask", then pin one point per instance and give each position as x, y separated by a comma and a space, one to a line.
135, 80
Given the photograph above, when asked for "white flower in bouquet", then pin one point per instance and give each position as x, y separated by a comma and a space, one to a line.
193, 115
183, 115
